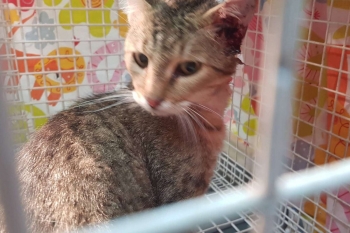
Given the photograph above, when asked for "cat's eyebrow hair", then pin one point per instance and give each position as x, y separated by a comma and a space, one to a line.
221, 71
144, 44
182, 48
156, 30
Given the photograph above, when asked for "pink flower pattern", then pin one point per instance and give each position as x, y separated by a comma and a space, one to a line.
308, 110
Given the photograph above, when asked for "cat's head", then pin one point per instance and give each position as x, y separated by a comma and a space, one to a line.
180, 52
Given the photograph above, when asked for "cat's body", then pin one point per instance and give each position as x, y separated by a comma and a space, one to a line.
116, 164
118, 153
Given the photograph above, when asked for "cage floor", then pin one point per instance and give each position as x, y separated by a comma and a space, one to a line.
227, 176
227, 224
230, 174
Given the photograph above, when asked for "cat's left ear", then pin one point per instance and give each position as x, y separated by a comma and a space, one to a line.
136, 7
229, 21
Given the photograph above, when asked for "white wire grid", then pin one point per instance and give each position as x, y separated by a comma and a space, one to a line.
22, 51
236, 163
314, 78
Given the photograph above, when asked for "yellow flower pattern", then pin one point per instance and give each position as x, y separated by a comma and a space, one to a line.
99, 19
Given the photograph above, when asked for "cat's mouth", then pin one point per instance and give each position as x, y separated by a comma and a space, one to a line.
164, 108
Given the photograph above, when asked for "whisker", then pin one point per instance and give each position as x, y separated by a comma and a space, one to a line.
117, 14
95, 102
204, 129
103, 99
200, 124
190, 125
208, 109
182, 126
198, 114
125, 101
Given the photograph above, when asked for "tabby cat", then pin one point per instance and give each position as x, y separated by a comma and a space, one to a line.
156, 143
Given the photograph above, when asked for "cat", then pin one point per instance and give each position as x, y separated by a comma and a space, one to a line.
153, 144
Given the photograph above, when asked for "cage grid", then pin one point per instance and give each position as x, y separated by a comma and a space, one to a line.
55, 51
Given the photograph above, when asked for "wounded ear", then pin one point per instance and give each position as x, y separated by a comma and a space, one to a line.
229, 21
136, 7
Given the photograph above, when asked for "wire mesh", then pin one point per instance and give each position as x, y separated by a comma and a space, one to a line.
320, 111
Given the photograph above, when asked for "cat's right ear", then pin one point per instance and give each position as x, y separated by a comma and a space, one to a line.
134, 8
230, 20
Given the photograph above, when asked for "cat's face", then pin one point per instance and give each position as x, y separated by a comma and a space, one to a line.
183, 52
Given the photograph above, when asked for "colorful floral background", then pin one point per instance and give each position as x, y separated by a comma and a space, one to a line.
321, 125
59, 50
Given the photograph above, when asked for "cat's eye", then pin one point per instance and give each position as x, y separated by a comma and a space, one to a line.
141, 60
188, 68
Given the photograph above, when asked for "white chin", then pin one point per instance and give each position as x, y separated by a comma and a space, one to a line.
166, 108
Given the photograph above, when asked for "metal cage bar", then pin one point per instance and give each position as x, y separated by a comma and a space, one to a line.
9, 188
276, 124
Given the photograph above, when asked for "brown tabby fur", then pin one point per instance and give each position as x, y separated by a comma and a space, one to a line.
107, 156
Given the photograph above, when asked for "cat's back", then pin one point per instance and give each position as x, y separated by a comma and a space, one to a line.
84, 155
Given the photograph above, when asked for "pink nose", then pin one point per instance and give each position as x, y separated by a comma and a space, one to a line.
153, 103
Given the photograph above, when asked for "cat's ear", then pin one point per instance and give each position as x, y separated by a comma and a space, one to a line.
229, 21
134, 7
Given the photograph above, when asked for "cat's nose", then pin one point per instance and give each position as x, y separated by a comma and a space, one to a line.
153, 103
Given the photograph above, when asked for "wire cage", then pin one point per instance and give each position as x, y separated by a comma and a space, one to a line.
53, 52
